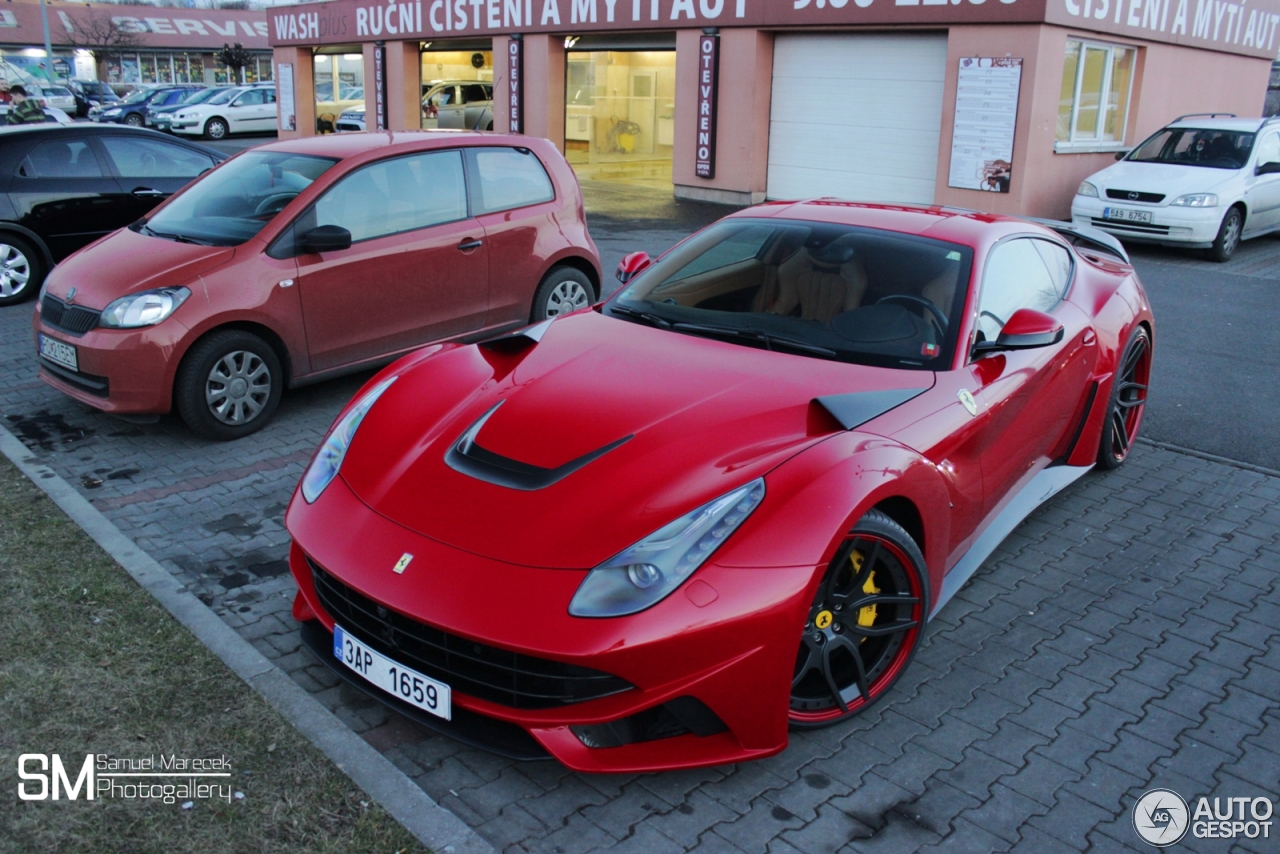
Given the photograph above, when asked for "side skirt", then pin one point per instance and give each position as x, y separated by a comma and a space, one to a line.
1038, 490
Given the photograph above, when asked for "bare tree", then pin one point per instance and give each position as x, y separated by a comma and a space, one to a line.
102, 37
236, 58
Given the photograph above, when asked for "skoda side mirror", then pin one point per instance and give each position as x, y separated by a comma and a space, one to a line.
1120, 155
1267, 168
1026, 329
632, 265
326, 238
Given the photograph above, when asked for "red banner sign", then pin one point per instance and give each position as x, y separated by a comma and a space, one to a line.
708, 82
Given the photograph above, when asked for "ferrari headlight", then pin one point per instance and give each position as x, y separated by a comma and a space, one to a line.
324, 468
649, 571
1087, 189
1197, 200
143, 309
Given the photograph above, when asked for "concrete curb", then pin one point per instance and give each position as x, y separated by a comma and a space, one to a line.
432, 824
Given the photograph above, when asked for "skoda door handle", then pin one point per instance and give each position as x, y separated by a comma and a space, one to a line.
148, 193
470, 244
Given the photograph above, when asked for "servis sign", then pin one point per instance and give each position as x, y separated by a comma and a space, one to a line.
334, 21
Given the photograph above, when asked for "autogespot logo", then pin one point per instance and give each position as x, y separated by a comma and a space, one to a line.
1160, 817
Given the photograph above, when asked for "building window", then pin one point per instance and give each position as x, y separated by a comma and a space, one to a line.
1093, 109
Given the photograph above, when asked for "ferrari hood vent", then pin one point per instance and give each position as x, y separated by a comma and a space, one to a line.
859, 407
467, 457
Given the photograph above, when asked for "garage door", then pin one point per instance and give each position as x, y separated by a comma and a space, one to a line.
856, 116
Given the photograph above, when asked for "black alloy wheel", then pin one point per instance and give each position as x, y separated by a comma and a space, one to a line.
1128, 400
864, 625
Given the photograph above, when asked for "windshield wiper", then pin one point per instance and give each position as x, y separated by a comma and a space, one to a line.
770, 340
178, 238
645, 316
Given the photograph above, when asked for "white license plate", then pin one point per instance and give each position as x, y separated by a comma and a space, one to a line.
56, 351
405, 683
1125, 215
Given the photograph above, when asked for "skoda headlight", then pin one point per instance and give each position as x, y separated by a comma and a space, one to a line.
324, 468
144, 309
1087, 189
1197, 200
649, 571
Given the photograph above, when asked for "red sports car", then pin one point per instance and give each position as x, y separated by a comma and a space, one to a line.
662, 531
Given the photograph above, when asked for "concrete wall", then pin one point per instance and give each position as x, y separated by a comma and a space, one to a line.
742, 117
1170, 81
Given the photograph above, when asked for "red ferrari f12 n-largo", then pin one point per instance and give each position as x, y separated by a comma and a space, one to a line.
662, 531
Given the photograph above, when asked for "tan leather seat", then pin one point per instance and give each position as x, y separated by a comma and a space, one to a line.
820, 291
941, 290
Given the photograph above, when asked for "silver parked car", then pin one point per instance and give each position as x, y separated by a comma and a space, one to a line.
59, 97
466, 104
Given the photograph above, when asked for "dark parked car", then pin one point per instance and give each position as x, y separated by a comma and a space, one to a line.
90, 94
64, 186
133, 109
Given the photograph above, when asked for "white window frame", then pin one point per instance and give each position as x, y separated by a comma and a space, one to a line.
1075, 145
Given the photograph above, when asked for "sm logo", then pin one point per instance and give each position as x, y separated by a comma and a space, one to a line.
62, 785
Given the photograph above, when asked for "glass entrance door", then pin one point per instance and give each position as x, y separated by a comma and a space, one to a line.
619, 115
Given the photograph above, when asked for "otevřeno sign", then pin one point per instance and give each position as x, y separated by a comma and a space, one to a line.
704, 165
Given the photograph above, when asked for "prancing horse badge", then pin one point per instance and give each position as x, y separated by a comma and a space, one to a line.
402, 564
965, 398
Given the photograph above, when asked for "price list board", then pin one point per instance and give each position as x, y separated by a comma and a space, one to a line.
986, 113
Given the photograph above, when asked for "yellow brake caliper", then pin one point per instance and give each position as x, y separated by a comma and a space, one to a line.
867, 614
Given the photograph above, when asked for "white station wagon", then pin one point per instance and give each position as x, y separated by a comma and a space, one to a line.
1204, 181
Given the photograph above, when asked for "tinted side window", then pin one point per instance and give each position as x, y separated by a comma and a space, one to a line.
147, 158
474, 92
1016, 277
61, 159
391, 196
505, 178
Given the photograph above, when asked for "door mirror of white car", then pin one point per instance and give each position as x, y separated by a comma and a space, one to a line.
1120, 155
1267, 168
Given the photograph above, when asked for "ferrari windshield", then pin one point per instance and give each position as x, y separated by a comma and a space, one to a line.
232, 204
1214, 149
817, 289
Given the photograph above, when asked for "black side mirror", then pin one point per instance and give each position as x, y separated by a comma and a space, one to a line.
326, 238
1267, 168
1120, 155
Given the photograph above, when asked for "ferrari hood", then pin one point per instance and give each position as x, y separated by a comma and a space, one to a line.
562, 452
126, 262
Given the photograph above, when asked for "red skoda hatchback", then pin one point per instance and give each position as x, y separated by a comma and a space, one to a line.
303, 259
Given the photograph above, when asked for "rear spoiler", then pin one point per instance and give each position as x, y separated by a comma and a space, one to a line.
1086, 234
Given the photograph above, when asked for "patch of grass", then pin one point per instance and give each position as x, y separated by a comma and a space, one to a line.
89, 663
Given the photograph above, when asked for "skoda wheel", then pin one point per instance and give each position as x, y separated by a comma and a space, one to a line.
215, 129
229, 385
1128, 399
864, 625
565, 289
1228, 239
21, 270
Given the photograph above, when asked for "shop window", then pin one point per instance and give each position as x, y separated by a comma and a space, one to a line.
507, 178
1093, 107
396, 195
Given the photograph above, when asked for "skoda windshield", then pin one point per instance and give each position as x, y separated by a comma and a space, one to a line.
1214, 149
231, 204
815, 289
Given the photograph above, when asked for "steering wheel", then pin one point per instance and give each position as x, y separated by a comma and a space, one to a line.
939, 318
273, 203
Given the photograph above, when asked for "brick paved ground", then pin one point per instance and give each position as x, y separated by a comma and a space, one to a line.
1122, 638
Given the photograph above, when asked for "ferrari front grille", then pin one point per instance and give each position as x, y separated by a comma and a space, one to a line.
69, 318
482, 671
